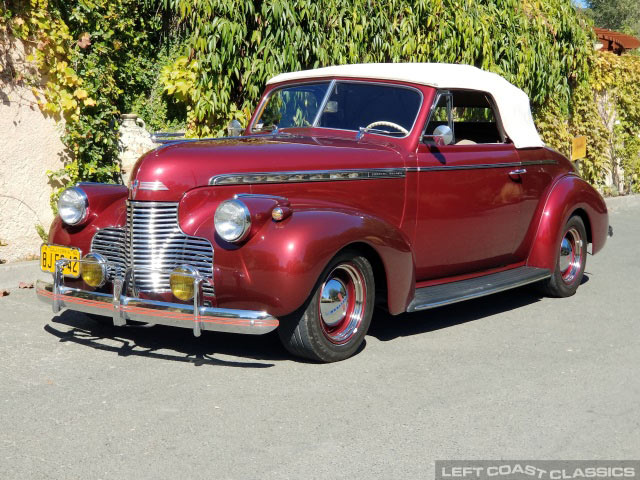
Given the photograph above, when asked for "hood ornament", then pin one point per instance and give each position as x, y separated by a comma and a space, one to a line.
133, 189
153, 186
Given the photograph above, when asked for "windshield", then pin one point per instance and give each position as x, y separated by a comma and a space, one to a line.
382, 109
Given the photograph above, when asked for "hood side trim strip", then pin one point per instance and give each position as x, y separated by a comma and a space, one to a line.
306, 176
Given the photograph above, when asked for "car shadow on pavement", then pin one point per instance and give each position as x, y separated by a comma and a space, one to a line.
167, 343
177, 344
386, 327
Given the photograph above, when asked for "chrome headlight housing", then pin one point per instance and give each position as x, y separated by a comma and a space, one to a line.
72, 206
232, 220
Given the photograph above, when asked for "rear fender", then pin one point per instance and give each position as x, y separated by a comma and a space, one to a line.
570, 195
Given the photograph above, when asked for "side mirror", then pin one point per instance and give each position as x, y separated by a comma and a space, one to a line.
442, 135
234, 128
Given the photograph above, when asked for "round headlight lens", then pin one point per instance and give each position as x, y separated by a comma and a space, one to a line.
72, 206
232, 220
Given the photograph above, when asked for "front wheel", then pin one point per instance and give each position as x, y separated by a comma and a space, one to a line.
571, 261
332, 324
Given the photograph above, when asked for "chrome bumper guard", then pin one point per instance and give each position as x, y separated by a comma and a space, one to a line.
121, 307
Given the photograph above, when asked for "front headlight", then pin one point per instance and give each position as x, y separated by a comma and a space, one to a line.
72, 206
232, 220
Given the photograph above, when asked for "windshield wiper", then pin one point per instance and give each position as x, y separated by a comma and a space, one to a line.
363, 130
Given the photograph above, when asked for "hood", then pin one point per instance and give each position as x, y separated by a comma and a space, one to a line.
167, 172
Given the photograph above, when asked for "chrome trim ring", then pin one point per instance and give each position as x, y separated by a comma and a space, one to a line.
341, 305
246, 216
570, 259
85, 200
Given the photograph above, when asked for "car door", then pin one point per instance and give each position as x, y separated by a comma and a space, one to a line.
469, 192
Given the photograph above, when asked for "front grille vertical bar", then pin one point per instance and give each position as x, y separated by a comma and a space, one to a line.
130, 257
197, 294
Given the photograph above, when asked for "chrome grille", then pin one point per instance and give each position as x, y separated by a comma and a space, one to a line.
152, 240
110, 243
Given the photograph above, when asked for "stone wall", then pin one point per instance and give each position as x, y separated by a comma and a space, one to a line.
29, 146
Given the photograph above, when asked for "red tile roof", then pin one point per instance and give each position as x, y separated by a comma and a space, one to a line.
615, 41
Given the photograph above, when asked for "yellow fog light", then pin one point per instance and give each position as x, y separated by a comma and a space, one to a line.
181, 282
94, 270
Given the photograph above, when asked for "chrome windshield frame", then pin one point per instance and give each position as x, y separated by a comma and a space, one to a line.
325, 100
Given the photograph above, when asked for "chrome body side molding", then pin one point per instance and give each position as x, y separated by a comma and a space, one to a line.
479, 166
252, 178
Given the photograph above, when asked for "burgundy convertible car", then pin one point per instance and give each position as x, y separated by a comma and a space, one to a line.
406, 186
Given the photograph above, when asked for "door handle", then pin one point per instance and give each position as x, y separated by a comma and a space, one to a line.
519, 171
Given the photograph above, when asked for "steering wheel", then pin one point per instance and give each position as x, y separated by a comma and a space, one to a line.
387, 124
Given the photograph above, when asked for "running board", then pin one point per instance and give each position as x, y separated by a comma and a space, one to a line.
439, 295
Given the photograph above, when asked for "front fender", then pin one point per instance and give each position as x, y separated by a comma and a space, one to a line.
107, 207
569, 195
277, 268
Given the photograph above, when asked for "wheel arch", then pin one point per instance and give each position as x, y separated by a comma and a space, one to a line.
378, 267
570, 195
581, 212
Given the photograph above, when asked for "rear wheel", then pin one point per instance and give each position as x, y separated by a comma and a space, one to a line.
333, 323
571, 261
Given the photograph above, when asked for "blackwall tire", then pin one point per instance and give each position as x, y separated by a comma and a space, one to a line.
332, 324
571, 260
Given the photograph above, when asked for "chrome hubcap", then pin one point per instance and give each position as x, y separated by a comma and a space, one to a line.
334, 301
570, 261
342, 303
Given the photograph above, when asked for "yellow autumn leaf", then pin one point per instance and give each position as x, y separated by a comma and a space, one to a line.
80, 93
89, 102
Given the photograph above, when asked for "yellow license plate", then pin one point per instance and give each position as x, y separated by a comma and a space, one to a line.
50, 254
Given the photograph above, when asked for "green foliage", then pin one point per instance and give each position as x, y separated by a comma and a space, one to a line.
232, 48
199, 64
616, 85
44, 236
607, 111
160, 111
96, 58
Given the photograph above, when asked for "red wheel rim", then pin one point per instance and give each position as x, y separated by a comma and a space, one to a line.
341, 305
570, 259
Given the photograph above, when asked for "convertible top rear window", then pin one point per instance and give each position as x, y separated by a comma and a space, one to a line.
380, 108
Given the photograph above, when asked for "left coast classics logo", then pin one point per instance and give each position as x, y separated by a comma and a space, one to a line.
133, 189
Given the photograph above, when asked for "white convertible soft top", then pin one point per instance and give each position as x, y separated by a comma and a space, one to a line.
512, 103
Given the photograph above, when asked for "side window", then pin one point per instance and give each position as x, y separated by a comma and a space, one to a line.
470, 115
441, 115
474, 118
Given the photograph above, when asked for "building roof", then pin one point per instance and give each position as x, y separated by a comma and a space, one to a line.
512, 103
615, 41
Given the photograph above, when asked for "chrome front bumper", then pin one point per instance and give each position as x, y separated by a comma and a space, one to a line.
121, 308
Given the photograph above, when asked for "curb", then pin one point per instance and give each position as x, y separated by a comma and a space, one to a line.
622, 202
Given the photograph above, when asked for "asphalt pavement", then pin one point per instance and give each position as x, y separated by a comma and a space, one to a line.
511, 376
